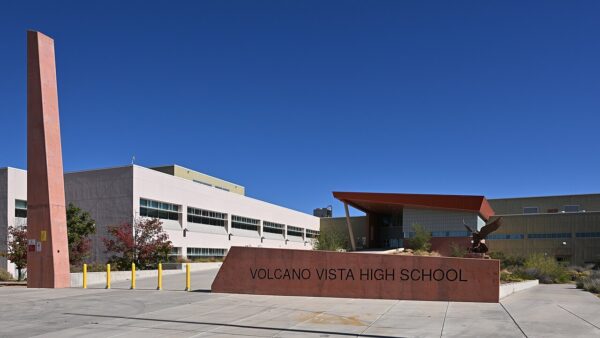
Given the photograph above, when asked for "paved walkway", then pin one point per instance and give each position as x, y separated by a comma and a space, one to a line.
544, 311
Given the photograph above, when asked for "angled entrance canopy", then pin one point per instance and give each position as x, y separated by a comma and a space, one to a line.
388, 203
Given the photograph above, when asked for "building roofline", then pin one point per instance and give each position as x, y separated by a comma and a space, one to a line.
6, 168
371, 202
545, 196
98, 169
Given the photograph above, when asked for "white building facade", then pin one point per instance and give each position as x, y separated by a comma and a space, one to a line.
201, 221
13, 208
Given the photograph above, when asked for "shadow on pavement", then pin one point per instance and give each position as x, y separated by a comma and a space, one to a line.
233, 325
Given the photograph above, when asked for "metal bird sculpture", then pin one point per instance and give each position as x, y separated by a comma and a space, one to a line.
478, 245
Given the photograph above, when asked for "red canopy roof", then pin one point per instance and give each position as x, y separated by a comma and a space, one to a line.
385, 202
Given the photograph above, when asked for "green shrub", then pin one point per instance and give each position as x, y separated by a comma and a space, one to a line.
546, 269
507, 276
421, 241
5, 276
331, 239
456, 250
507, 262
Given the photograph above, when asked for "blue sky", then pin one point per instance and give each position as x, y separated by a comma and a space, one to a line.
295, 99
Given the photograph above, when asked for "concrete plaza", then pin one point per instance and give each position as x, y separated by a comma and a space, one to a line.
543, 311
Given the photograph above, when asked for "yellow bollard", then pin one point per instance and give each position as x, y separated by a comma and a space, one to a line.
108, 276
132, 276
188, 280
159, 277
85, 276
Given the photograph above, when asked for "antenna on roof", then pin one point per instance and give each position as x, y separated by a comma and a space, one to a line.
132, 159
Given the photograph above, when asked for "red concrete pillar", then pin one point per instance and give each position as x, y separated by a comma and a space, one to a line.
48, 254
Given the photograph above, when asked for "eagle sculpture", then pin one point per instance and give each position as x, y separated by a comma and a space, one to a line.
478, 245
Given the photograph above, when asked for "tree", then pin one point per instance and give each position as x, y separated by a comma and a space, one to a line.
145, 244
331, 239
17, 248
80, 226
421, 240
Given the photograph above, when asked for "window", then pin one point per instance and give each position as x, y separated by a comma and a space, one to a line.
506, 236
207, 217
530, 210
274, 228
587, 234
571, 208
206, 184
311, 233
450, 234
295, 231
205, 252
244, 223
175, 252
21, 208
552, 235
155, 209
216, 186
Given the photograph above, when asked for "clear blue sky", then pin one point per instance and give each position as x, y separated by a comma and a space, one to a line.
295, 99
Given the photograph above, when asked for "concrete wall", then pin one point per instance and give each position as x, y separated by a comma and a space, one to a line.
107, 194
510, 288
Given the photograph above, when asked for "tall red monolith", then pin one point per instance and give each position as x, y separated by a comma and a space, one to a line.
48, 253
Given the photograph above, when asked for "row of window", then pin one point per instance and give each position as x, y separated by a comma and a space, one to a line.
205, 252
275, 228
448, 234
546, 236
208, 217
506, 236
155, 209
536, 210
295, 231
245, 223
587, 234
311, 233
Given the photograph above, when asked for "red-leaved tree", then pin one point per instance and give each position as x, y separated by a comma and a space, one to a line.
145, 244
17, 248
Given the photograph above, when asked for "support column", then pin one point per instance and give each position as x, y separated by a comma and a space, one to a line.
48, 252
350, 231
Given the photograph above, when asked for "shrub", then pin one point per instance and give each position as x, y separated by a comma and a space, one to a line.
426, 253
546, 269
507, 276
590, 283
5, 275
507, 262
421, 240
331, 239
456, 250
